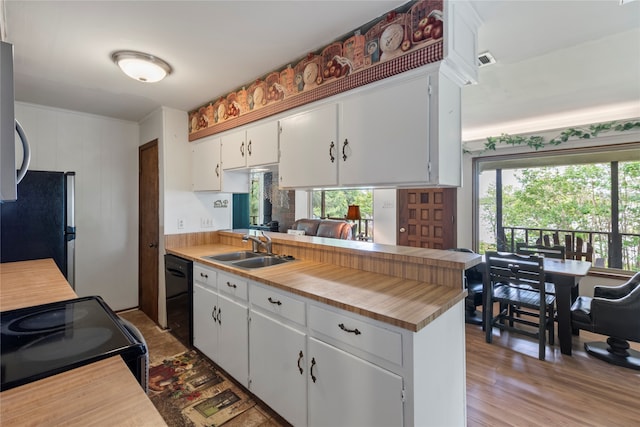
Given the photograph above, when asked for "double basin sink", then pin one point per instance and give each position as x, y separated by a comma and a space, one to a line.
249, 260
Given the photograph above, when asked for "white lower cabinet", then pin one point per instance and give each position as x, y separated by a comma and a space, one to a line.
349, 391
220, 328
278, 367
205, 324
317, 365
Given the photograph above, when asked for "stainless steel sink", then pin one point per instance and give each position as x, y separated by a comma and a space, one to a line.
264, 261
249, 260
234, 256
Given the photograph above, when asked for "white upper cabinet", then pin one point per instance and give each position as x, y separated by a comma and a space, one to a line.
206, 171
234, 150
384, 135
252, 146
309, 148
402, 131
262, 144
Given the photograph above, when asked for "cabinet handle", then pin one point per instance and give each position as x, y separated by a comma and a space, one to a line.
344, 146
313, 363
242, 148
249, 147
274, 301
214, 313
219, 314
204, 275
300, 356
331, 156
352, 331
231, 285
218, 169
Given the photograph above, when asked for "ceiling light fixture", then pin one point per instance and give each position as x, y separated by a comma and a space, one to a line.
141, 66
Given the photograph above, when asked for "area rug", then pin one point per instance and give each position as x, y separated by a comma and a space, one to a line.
189, 391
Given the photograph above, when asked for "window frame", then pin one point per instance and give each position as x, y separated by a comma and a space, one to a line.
611, 154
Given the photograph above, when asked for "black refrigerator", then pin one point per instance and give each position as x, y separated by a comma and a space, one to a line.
41, 222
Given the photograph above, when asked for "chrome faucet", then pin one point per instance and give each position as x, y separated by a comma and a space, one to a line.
257, 243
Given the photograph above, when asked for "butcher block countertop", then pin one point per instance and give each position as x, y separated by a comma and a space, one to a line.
101, 393
408, 304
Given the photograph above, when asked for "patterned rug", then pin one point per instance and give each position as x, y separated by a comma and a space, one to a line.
188, 391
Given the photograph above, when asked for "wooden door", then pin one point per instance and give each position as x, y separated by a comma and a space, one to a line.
148, 238
426, 218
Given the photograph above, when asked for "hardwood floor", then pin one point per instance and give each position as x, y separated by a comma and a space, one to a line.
508, 386
506, 383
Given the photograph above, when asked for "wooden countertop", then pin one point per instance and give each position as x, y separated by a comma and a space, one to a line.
404, 303
102, 393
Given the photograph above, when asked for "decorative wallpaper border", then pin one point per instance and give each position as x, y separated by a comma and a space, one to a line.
408, 37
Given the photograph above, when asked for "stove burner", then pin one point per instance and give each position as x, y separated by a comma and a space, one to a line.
49, 320
63, 344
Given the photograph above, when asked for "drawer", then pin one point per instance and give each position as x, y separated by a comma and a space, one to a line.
279, 303
204, 275
233, 285
360, 334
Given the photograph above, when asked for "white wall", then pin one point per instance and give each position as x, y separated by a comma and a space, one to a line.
103, 153
385, 218
181, 203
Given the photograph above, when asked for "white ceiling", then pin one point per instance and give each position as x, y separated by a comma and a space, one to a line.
555, 58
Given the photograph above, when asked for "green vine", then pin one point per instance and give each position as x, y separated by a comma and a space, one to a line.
538, 142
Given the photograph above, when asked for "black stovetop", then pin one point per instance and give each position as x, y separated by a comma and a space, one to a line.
40, 341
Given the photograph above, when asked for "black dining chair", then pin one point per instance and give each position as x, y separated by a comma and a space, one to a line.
515, 282
473, 282
613, 311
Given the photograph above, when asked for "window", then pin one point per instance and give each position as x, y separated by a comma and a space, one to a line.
333, 204
589, 195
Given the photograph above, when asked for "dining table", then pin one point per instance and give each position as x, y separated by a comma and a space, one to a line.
565, 274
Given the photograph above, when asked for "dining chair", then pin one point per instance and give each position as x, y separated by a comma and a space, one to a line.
613, 311
516, 282
473, 282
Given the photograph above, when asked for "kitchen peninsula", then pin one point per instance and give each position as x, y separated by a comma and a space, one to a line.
101, 393
388, 318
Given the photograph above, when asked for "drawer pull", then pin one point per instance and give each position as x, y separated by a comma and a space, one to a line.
300, 356
313, 363
231, 285
353, 331
274, 301
204, 275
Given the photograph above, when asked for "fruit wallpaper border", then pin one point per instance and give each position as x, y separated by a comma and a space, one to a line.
405, 38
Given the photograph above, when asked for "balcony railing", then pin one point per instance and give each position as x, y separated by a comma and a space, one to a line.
604, 249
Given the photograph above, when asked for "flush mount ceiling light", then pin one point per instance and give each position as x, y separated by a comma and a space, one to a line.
141, 66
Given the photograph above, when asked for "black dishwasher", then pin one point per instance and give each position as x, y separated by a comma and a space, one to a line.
178, 275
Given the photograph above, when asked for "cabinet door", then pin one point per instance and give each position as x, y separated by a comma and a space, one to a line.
206, 170
277, 356
350, 391
205, 326
262, 144
308, 148
233, 338
234, 150
384, 134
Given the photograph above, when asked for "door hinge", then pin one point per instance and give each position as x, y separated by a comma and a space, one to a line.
429, 170
429, 89
402, 395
